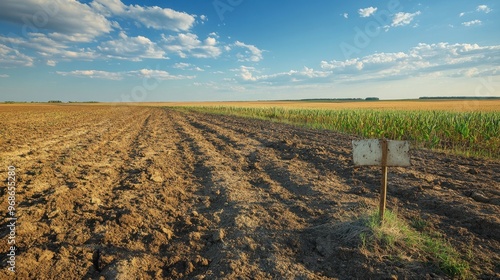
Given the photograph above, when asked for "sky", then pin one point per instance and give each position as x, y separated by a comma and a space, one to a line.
224, 50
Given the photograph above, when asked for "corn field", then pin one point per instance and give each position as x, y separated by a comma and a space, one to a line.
467, 133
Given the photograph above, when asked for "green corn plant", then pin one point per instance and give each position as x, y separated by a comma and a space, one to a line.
475, 133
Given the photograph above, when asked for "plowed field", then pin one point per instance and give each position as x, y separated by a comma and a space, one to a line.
117, 192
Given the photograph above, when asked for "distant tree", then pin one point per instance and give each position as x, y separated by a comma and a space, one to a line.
459, 97
329, 99
91, 101
372, 98
55, 101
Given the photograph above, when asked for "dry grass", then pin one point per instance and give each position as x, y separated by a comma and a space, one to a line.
395, 237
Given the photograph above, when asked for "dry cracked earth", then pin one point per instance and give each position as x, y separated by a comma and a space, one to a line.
115, 192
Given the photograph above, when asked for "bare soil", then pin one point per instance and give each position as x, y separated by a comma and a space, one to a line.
114, 192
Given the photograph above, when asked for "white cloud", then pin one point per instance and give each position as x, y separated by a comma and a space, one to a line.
248, 74
480, 8
4, 76
161, 18
252, 53
483, 8
401, 19
471, 23
129, 48
475, 72
109, 7
61, 26
94, 74
50, 48
10, 57
142, 73
157, 74
187, 66
182, 65
366, 12
214, 35
424, 59
39, 42
345, 15
150, 16
70, 19
132, 48
210, 41
188, 44
227, 86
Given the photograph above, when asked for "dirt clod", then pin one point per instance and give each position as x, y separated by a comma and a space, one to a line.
480, 197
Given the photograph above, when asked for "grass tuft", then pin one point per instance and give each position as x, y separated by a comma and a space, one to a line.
397, 238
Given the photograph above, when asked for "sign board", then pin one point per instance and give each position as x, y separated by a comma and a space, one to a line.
383, 153
369, 152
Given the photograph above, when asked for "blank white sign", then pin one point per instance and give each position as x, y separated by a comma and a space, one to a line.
369, 152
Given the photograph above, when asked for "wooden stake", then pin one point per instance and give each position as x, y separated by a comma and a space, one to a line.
383, 185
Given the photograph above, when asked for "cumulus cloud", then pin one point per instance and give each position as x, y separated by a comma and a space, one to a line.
142, 73
55, 30
161, 18
345, 15
51, 28
252, 53
182, 65
483, 8
39, 42
49, 48
246, 73
401, 19
94, 74
443, 59
10, 57
188, 44
187, 66
480, 9
471, 23
68, 19
109, 7
149, 16
157, 74
366, 12
250, 74
132, 48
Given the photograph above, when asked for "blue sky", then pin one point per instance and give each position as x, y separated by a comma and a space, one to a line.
196, 50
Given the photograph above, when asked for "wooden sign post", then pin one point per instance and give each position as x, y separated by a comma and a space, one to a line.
382, 153
383, 185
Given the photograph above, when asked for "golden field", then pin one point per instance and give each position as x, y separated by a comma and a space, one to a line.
442, 105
